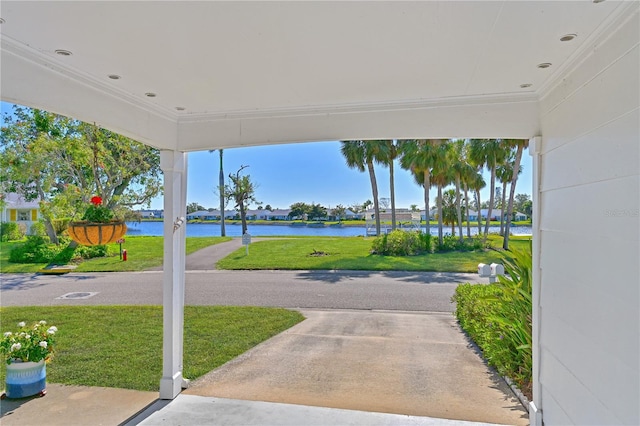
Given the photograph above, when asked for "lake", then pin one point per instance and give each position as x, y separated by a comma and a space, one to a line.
235, 230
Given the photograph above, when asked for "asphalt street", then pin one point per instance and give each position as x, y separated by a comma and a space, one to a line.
406, 291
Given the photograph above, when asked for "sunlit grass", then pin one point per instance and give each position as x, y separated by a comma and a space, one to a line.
142, 253
121, 346
352, 253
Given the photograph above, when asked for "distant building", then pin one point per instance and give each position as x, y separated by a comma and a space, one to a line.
152, 214
16, 209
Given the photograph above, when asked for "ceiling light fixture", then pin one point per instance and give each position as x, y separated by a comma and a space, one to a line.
598, 1
568, 37
2, 21
63, 52
180, 108
114, 76
544, 65
525, 85
150, 95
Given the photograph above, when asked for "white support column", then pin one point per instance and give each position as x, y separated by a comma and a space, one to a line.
535, 406
174, 167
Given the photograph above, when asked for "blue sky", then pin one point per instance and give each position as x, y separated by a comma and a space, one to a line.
312, 172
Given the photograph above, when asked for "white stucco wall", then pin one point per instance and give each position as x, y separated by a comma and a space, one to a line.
589, 353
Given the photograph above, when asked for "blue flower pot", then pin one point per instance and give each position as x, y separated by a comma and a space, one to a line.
25, 379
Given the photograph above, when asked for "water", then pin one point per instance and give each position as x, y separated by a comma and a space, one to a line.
235, 230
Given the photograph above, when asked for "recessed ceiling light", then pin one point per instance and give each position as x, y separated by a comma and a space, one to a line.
525, 85
150, 95
114, 77
180, 108
568, 37
544, 65
63, 52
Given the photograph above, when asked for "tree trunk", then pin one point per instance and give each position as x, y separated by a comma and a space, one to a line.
243, 217
512, 193
440, 233
48, 224
374, 189
427, 187
466, 207
459, 208
491, 201
478, 205
223, 231
504, 197
393, 196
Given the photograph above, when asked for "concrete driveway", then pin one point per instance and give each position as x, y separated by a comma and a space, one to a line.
410, 363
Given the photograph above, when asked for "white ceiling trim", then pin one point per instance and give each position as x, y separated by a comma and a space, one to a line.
625, 12
37, 58
357, 108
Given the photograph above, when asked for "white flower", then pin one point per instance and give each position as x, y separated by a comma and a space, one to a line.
52, 329
15, 347
27, 336
43, 322
22, 324
7, 334
43, 344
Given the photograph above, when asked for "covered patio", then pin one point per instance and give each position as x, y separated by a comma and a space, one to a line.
188, 76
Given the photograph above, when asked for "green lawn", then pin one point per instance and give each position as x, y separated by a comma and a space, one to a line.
350, 253
142, 253
353, 254
121, 346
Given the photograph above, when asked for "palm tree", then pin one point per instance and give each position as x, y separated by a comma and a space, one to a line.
223, 231
418, 155
441, 177
357, 154
461, 171
386, 152
504, 173
520, 145
489, 153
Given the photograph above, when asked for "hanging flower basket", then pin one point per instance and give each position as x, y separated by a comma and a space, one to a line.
97, 227
95, 234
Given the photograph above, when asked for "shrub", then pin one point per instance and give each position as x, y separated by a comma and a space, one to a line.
38, 228
498, 319
35, 250
89, 252
401, 243
452, 243
10, 231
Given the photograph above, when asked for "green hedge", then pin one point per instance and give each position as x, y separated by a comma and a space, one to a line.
37, 249
401, 243
10, 231
498, 319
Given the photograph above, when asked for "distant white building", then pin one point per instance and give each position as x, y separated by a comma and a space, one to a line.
278, 214
152, 214
16, 209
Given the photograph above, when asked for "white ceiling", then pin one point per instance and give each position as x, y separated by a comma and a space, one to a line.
269, 72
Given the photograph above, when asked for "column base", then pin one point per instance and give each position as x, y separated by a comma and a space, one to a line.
170, 387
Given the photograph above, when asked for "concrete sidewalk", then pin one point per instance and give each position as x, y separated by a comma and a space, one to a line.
205, 259
408, 363
199, 410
